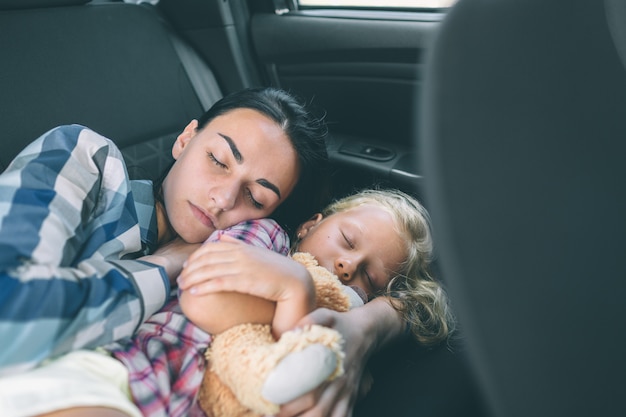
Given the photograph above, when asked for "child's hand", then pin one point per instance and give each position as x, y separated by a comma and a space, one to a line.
365, 330
337, 397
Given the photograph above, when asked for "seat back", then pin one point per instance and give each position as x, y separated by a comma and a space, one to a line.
523, 123
117, 68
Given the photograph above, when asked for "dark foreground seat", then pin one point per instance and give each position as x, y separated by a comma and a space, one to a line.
524, 122
117, 68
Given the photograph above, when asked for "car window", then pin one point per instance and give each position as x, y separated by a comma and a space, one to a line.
428, 4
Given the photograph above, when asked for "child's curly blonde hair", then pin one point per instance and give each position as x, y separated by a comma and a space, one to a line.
413, 291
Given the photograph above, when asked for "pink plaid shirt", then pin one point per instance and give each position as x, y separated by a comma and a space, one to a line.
165, 357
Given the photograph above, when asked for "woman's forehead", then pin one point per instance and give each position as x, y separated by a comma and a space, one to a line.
256, 144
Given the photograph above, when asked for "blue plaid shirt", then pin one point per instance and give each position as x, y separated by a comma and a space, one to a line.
71, 223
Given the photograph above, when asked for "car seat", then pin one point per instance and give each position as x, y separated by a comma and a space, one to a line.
523, 123
117, 68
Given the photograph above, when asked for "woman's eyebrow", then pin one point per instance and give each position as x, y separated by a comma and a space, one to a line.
239, 158
233, 148
265, 183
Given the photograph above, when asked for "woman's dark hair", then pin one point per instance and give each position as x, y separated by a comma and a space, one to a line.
307, 134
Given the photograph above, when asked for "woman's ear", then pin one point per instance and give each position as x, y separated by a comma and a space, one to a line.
183, 139
308, 225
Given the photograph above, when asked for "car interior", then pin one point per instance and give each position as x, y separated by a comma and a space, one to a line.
503, 119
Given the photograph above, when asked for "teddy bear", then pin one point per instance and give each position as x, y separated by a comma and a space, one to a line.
249, 373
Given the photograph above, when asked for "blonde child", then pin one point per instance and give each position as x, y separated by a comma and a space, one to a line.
377, 242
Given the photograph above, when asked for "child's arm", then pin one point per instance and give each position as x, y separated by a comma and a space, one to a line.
282, 288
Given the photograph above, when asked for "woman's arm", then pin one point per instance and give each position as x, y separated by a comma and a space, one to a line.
67, 216
229, 283
241, 275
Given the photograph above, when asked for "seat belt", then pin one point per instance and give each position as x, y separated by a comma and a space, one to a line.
199, 73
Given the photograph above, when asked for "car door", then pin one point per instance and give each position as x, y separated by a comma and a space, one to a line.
362, 67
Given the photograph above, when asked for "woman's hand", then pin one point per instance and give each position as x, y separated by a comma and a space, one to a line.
171, 256
234, 266
365, 330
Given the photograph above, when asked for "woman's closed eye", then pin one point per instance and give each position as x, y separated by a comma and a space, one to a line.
258, 205
255, 203
216, 161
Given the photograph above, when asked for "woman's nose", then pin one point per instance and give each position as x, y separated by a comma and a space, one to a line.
224, 197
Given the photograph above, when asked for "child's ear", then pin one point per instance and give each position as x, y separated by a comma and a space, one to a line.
308, 225
183, 139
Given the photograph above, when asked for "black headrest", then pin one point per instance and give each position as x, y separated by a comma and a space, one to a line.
34, 4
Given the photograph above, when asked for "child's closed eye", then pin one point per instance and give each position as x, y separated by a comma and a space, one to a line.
348, 240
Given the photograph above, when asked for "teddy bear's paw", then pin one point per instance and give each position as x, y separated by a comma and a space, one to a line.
299, 373
356, 295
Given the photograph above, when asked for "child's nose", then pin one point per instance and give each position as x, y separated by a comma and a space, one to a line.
344, 269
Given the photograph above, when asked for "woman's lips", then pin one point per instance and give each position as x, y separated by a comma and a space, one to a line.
204, 218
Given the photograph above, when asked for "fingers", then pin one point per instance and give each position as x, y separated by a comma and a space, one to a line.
221, 247
230, 265
321, 316
209, 261
234, 266
331, 400
301, 405
337, 400
223, 275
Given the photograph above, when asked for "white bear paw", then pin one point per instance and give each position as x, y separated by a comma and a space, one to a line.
299, 373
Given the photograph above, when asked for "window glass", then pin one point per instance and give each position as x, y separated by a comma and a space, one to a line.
431, 4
